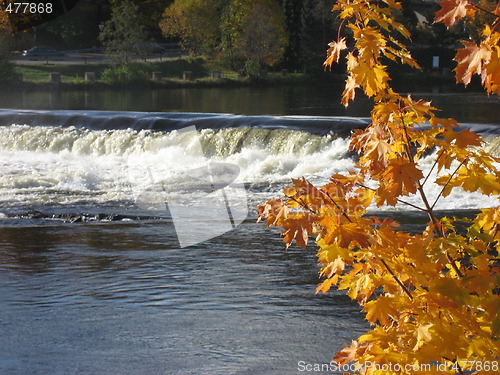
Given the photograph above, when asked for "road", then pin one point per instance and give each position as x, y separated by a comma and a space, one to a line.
89, 58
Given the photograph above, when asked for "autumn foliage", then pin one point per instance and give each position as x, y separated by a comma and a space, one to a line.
432, 297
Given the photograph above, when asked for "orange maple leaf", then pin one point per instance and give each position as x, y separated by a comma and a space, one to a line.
471, 60
349, 91
334, 51
451, 11
297, 229
401, 177
462, 139
350, 353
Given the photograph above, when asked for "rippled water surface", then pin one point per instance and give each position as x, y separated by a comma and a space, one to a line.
123, 298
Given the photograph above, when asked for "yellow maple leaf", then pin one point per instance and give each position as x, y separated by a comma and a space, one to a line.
393, 4
381, 310
327, 284
373, 78
423, 335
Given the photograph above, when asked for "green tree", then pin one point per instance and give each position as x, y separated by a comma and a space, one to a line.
195, 22
255, 31
79, 28
6, 66
125, 31
295, 13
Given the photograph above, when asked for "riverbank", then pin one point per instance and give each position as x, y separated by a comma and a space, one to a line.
172, 73
175, 73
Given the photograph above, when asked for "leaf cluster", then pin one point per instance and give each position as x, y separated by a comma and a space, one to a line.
432, 297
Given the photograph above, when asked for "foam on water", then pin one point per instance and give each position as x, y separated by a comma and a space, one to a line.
48, 165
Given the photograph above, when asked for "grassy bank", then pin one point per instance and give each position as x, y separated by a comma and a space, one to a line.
172, 73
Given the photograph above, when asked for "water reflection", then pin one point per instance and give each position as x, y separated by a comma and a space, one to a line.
289, 100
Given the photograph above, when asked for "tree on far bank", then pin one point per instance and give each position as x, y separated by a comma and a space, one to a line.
254, 31
194, 22
125, 31
6, 66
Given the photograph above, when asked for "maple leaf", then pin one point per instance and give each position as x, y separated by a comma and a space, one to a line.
470, 60
472, 178
345, 235
380, 309
491, 77
350, 353
334, 51
451, 11
349, 91
273, 211
463, 139
401, 177
423, 333
373, 142
360, 286
373, 78
393, 4
297, 229
327, 284
369, 41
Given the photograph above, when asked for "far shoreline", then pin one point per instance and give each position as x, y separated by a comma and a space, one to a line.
188, 73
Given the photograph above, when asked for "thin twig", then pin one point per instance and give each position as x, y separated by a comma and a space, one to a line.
483, 10
342, 211
440, 153
403, 286
429, 209
397, 199
302, 204
447, 182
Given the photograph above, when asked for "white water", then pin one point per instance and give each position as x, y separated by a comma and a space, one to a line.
65, 166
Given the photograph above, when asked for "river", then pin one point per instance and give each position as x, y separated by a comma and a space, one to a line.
128, 242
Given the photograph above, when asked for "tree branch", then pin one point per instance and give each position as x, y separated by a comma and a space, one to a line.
403, 286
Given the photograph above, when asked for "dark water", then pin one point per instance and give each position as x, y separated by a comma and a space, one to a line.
289, 100
122, 297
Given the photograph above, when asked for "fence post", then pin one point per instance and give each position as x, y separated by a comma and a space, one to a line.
55, 77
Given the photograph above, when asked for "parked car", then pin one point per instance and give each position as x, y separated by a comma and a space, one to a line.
42, 51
